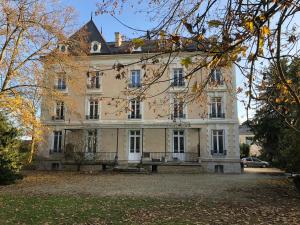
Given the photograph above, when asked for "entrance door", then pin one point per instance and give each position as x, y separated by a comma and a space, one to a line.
178, 145
134, 145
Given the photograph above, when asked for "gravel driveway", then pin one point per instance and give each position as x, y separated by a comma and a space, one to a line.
149, 185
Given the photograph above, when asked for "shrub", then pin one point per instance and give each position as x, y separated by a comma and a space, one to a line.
9, 169
245, 150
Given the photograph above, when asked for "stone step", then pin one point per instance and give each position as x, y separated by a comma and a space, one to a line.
127, 169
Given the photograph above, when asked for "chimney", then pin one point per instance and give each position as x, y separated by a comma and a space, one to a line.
118, 39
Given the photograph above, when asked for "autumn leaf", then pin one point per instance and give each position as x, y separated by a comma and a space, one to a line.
250, 25
265, 30
138, 42
186, 62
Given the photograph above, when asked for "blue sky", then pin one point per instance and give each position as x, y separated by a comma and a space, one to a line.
109, 25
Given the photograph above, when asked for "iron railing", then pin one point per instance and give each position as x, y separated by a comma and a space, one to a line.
135, 116
217, 115
92, 117
171, 156
218, 152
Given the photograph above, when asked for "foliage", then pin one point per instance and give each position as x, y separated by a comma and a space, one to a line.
9, 152
297, 182
245, 150
279, 141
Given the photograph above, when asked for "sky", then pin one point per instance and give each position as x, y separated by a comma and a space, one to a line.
109, 25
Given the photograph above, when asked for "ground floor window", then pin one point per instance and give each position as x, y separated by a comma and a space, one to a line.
178, 141
219, 169
218, 141
57, 142
92, 141
134, 141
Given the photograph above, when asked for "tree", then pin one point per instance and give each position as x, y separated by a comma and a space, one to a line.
246, 33
30, 33
279, 141
9, 156
245, 150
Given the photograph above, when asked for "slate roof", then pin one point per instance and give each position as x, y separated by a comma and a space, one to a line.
89, 33
245, 129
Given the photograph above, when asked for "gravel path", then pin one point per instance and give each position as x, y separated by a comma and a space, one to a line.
149, 185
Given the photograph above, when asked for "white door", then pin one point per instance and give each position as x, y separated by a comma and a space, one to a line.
178, 145
134, 145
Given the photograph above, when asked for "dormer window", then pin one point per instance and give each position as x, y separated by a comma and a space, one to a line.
95, 47
63, 48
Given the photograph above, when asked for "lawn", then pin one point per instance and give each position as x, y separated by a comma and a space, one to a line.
242, 199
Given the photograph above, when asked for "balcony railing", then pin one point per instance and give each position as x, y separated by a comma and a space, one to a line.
134, 85
93, 86
60, 87
58, 117
178, 84
170, 156
178, 116
135, 116
218, 153
92, 117
55, 151
217, 115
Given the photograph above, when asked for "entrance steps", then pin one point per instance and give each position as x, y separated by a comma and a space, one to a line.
130, 169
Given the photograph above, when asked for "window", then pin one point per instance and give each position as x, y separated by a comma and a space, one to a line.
92, 141
135, 79
178, 141
178, 109
216, 77
93, 109
134, 141
178, 79
57, 142
249, 140
60, 111
218, 142
219, 169
135, 110
216, 108
95, 47
93, 80
61, 82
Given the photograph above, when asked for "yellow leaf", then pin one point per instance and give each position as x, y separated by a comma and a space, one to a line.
186, 62
277, 100
289, 81
138, 42
265, 30
250, 25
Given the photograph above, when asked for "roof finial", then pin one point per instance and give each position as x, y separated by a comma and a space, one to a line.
101, 30
91, 15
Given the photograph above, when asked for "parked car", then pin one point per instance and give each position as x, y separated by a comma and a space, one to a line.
254, 162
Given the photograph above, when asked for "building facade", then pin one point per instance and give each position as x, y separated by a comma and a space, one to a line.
99, 120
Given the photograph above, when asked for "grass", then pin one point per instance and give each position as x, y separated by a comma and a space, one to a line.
80, 210
55, 209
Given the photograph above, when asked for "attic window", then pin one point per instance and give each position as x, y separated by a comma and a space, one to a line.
95, 47
138, 49
63, 48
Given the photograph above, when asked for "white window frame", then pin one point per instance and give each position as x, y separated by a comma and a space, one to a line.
93, 140
214, 102
135, 78
131, 113
178, 136
98, 50
94, 75
184, 108
135, 136
176, 72
60, 110
59, 141
214, 73
216, 151
93, 116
